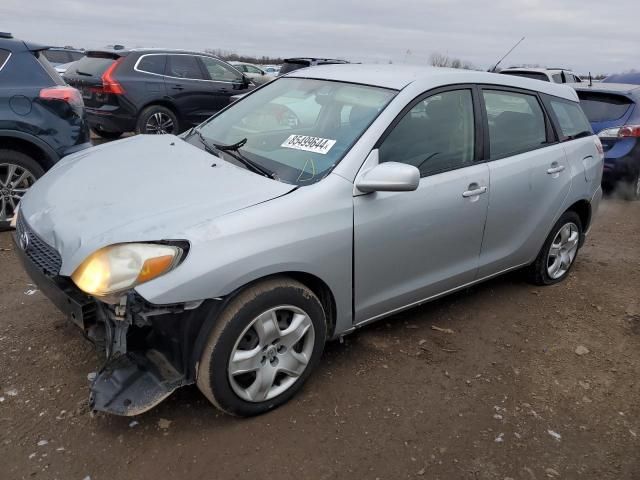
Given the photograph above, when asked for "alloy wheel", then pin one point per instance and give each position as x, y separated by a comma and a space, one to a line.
563, 250
159, 123
14, 183
271, 353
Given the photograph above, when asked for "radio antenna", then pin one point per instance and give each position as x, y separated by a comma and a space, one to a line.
506, 55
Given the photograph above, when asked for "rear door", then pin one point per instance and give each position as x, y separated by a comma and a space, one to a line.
223, 82
530, 178
189, 89
410, 246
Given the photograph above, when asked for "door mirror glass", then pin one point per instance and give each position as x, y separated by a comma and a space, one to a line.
389, 177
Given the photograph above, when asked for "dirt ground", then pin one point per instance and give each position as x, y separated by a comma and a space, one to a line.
504, 396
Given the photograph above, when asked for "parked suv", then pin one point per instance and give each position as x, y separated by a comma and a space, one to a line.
614, 112
291, 64
553, 75
41, 120
151, 90
326, 200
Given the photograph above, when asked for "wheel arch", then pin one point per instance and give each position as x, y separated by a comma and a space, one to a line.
29, 145
318, 286
162, 103
583, 209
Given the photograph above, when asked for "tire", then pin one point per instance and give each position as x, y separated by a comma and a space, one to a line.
630, 190
234, 334
22, 168
106, 134
541, 272
156, 119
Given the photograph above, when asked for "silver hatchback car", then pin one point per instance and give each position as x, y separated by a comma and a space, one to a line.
321, 202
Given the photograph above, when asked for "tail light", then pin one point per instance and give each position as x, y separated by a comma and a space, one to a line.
599, 145
110, 84
63, 93
625, 131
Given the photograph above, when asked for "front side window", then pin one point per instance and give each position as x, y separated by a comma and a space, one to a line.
571, 118
436, 135
152, 64
220, 72
516, 123
297, 128
184, 66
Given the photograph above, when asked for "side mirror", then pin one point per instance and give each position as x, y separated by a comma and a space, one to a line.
389, 177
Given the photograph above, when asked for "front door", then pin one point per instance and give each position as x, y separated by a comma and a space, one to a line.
224, 81
410, 246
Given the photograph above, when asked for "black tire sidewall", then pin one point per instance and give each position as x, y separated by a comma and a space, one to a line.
541, 261
219, 383
147, 112
23, 160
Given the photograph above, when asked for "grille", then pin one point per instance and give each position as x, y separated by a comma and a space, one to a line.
44, 256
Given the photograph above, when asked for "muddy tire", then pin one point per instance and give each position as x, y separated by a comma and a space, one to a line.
263, 347
558, 254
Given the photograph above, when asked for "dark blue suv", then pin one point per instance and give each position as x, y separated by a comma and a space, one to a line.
41, 120
614, 112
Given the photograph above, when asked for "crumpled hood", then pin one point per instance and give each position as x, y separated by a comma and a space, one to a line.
144, 188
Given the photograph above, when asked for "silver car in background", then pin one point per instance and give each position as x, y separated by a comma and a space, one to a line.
315, 205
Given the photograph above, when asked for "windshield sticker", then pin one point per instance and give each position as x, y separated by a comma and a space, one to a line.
309, 144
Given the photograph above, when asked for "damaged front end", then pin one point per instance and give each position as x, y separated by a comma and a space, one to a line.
150, 350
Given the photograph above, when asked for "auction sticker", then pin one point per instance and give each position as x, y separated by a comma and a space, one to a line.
309, 144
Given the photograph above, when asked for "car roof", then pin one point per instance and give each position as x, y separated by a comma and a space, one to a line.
126, 51
8, 42
536, 69
399, 76
622, 88
314, 59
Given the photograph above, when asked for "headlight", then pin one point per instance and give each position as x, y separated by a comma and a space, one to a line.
120, 267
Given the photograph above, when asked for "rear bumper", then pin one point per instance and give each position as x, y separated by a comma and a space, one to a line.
111, 121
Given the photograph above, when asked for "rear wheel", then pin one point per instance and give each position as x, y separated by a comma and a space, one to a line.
157, 120
106, 134
18, 172
559, 251
264, 346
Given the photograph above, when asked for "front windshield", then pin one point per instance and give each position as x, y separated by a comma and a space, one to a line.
297, 128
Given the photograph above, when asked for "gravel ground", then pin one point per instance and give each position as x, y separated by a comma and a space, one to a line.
516, 382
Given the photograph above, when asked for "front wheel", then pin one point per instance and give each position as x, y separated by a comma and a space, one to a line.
265, 344
559, 251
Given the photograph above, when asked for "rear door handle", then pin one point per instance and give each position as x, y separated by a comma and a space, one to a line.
555, 169
474, 191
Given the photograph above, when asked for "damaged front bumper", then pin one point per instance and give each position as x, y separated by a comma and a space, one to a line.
150, 350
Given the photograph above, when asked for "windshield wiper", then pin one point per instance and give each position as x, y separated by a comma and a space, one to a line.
232, 150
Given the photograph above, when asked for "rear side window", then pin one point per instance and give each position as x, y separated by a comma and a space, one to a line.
516, 123
4, 56
152, 64
42, 60
557, 78
573, 122
603, 107
184, 66
534, 75
93, 66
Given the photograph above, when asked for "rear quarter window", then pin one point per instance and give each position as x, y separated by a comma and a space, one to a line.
4, 56
51, 72
571, 118
152, 64
603, 107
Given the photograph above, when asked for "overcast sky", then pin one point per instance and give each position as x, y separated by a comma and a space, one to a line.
581, 34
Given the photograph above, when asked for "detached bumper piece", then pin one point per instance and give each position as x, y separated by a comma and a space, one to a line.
135, 382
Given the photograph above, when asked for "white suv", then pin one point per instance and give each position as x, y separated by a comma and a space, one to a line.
553, 75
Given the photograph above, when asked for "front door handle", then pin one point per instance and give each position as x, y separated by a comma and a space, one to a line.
555, 168
177, 87
474, 191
